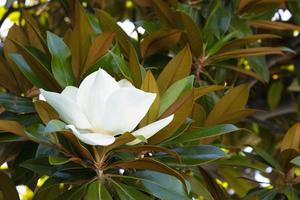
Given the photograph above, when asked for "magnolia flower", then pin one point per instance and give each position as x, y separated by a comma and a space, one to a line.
102, 108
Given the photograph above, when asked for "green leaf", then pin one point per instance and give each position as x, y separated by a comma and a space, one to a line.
267, 157
290, 192
61, 60
274, 94
206, 132
16, 104
243, 162
58, 160
39, 165
141, 138
194, 155
219, 44
176, 90
149, 164
294, 7
113, 62
42, 166
162, 186
97, 190
75, 193
259, 65
49, 190
36, 133
8, 137
26, 70
40, 56
126, 192
296, 161
54, 126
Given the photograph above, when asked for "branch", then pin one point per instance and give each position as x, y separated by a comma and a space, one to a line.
11, 9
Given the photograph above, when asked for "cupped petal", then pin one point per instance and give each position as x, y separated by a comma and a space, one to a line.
70, 92
125, 108
68, 110
125, 83
92, 138
149, 130
93, 93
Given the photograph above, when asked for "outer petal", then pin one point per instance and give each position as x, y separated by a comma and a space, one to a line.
149, 130
92, 138
84, 90
125, 83
70, 92
93, 93
125, 108
67, 109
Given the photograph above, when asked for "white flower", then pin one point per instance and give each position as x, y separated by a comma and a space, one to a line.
102, 108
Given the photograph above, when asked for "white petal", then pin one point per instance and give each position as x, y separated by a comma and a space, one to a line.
41, 97
84, 90
67, 109
149, 130
125, 108
92, 138
125, 83
70, 92
93, 93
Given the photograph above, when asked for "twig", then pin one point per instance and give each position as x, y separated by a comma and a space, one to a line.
11, 9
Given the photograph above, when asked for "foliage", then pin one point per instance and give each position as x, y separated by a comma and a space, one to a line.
228, 72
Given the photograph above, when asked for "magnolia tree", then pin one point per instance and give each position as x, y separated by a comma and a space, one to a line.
150, 99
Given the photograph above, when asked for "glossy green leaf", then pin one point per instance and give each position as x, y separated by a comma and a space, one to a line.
16, 104
267, 157
274, 94
54, 126
113, 62
296, 161
198, 134
58, 160
40, 56
126, 192
162, 186
75, 193
97, 190
194, 155
61, 60
176, 90
26, 70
